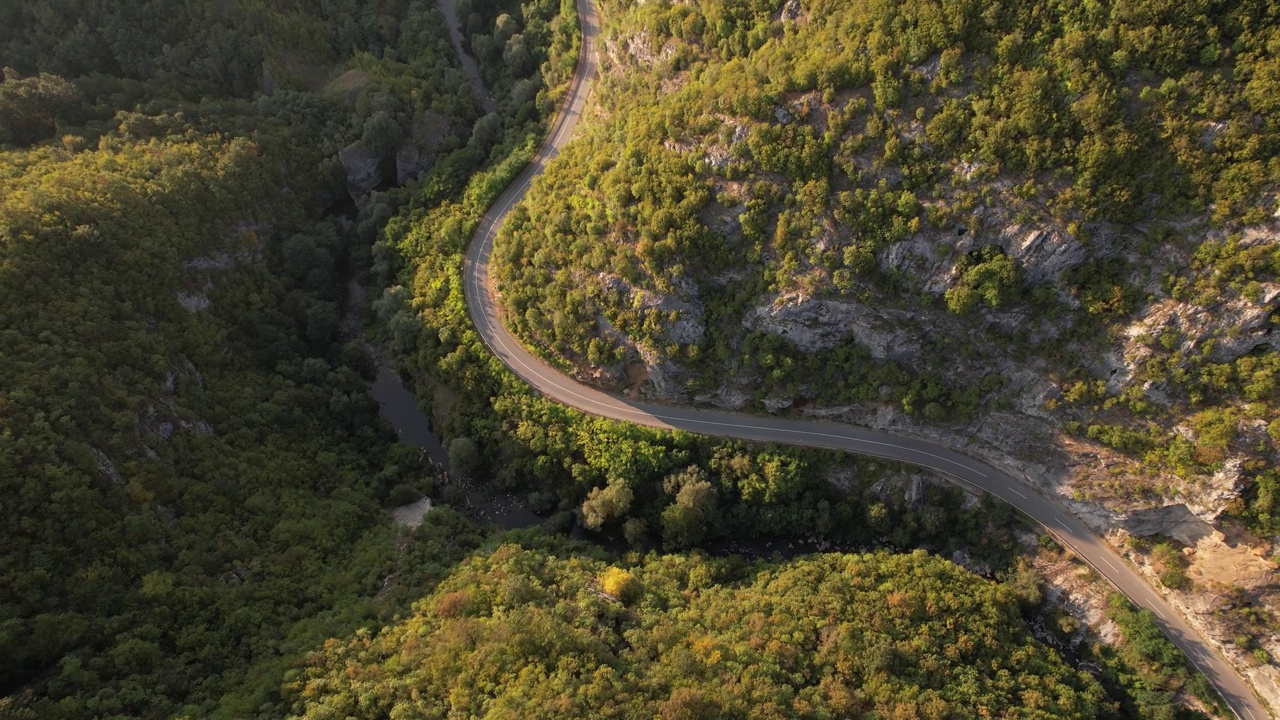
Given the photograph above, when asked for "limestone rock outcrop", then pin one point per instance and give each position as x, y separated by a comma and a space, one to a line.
814, 325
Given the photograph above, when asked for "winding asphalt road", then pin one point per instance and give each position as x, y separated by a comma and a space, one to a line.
956, 466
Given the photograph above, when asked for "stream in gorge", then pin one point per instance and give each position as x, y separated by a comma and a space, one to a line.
413, 427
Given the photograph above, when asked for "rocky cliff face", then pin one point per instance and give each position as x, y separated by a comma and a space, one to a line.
414, 155
1104, 486
1044, 253
417, 154
1228, 330
813, 324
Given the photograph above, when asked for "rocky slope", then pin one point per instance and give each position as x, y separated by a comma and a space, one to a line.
1062, 257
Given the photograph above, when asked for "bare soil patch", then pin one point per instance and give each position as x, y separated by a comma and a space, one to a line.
637, 374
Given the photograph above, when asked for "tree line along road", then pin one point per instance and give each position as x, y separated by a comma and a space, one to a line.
954, 465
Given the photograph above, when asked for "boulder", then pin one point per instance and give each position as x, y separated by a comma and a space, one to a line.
1043, 253
1175, 521
417, 154
363, 168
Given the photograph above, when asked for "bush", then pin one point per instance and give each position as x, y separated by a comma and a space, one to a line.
619, 585
403, 494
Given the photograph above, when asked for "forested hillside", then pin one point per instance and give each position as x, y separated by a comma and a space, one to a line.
541, 627
193, 471
1045, 229
888, 203
539, 632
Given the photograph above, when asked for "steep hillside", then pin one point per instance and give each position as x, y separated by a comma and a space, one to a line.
949, 210
1042, 232
184, 467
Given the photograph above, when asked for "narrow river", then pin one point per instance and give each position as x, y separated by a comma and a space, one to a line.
400, 408
413, 427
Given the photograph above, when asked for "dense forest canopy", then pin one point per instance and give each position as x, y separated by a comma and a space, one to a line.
204, 49
536, 632
171, 446
191, 464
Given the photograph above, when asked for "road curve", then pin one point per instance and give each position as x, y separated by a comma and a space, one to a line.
956, 466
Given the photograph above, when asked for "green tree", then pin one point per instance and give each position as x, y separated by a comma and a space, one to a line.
685, 522
382, 133
611, 502
464, 457
988, 276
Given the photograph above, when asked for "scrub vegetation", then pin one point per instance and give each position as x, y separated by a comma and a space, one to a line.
1074, 182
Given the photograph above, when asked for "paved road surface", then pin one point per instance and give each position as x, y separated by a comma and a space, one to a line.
959, 467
